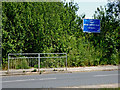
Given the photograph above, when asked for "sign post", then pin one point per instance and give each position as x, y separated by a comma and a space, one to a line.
38, 62
91, 25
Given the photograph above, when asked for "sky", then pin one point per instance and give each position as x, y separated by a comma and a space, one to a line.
88, 7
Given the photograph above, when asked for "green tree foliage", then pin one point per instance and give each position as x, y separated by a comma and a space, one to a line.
108, 40
38, 27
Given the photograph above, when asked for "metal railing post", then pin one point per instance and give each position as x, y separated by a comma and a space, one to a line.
66, 61
38, 62
8, 63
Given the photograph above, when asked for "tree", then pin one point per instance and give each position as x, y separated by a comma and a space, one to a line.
109, 39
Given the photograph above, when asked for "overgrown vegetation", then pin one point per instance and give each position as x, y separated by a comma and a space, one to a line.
50, 27
19, 64
34, 70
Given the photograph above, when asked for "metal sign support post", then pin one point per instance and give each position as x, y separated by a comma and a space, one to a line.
38, 62
66, 61
8, 63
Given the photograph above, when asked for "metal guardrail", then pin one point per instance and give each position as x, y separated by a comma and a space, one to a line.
38, 54
36, 57
32, 53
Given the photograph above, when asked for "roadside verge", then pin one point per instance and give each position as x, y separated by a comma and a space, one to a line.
62, 70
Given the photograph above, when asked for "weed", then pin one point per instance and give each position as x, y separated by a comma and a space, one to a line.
23, 71
55, 70
34, 70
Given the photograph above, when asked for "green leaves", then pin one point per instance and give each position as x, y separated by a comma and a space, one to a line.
109, 32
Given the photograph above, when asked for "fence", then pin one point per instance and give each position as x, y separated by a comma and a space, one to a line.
36, 60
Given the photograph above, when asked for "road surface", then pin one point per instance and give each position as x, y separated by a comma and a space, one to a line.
60, 80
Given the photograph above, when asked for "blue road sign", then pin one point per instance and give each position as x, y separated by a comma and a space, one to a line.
91, 25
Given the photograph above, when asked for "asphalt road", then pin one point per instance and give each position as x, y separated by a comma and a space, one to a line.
60, 80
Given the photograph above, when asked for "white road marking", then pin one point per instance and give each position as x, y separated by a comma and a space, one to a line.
29, 80
106, 75
46, 78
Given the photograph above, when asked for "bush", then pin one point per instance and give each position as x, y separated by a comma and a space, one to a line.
22, 65
34, 70
55, 70
96, 62
23, 71
36, 66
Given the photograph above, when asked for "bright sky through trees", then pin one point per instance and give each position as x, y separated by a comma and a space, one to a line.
88, 7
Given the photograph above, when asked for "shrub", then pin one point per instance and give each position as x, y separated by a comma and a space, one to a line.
96, 62
34, 70
23, 71
22, 65
55, 70
36, 66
